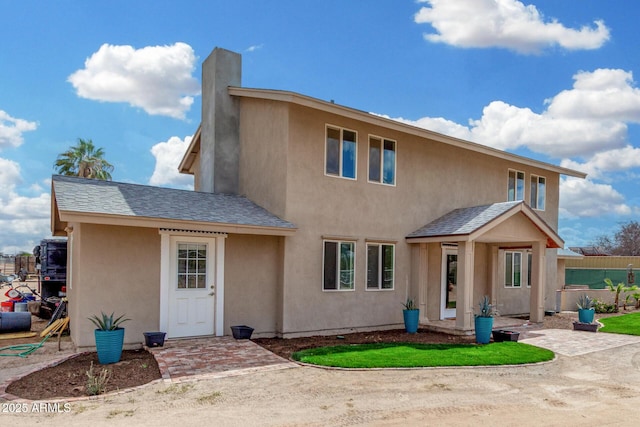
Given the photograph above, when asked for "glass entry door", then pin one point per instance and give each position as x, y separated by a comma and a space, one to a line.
449, 283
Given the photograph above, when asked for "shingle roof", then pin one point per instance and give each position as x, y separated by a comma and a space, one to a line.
91, 196
464, 220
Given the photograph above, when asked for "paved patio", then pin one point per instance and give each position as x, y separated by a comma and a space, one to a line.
575, 343
448, 326
214, 357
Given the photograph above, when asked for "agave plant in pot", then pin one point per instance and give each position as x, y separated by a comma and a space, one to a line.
586, 310
109, 337
411, 314
484, 321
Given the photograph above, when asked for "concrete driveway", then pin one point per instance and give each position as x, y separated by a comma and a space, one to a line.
595, 380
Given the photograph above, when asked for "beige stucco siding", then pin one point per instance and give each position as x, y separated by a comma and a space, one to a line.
114, 269
253, 292
263, 153
432, 179
282, 159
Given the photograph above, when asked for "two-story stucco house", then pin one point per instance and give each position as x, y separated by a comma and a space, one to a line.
307, 218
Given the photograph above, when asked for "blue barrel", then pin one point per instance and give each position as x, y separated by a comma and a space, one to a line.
15, 321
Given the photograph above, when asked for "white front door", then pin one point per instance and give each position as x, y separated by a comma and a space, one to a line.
191, 287
449, 283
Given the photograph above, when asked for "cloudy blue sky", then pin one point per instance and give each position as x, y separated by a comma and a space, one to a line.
549, 79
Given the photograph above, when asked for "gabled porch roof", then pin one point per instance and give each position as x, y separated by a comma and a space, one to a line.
476, 224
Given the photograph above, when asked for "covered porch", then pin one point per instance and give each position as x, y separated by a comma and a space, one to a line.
477, 239
448, 326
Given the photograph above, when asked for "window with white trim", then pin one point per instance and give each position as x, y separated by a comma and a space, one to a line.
339, 260
538, 192
517, 268
515, 186
382, 160
512, 269
192, 266
380, 266
340, 152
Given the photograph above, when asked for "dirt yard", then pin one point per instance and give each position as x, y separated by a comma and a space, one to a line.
69, 378
600, 388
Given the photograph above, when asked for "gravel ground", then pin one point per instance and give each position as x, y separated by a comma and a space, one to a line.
595, 389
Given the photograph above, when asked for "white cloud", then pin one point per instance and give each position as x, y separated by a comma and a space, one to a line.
9, 177
578, 233
11, 130
508, 127
585, 126
23, 220
578, 122
503, 23
255, 47
157, 79
585, 198
607, 162
437, 124
604, 94
168, 155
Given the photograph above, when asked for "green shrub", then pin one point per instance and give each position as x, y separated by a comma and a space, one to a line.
97, 383
604, 307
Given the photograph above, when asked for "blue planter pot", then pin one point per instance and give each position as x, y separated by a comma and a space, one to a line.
483, 325
109, 345
411, 319
586, 315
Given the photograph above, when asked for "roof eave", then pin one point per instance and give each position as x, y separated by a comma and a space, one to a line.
57, 226
453, 238
149, 222
189, 157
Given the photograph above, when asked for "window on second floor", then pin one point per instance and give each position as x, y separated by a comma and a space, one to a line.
340, 152
515, 186
382, 160
380, 266
538, 192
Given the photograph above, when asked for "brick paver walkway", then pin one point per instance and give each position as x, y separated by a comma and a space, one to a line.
214, 357
574, 343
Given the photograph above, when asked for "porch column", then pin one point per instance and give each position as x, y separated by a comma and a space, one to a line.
538, 275
493, 273
423, 262
464, 300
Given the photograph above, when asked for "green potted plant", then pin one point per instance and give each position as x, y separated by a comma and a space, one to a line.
411, 314
484, 321
109, 337
586, 310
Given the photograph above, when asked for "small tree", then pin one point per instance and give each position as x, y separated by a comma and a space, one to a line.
618, 289
84, 160
636, 297
625, 242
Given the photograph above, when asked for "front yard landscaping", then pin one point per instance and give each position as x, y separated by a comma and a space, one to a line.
413, 355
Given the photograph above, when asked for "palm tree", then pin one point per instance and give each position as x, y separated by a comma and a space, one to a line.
84, 160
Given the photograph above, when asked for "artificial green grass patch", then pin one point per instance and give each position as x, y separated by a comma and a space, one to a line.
411, 355
628, 324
